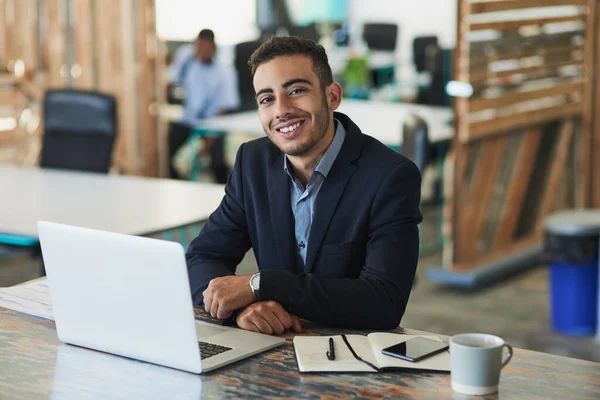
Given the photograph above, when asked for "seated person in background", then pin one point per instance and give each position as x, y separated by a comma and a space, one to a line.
210, 89
330, 212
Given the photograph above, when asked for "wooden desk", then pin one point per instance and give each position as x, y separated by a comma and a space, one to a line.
33, 364
123, 204
381, 120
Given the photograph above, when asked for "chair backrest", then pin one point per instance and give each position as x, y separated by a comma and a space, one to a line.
79, 130
415, 140
380, 36
420, 46
308, 31
243, 51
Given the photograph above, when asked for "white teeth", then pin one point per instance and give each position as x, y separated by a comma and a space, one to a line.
287, 129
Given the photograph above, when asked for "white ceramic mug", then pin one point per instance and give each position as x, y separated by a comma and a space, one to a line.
476, 361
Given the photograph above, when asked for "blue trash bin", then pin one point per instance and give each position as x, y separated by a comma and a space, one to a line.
571, 246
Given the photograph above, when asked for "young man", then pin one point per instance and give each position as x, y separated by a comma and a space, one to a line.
330, 212
210, 89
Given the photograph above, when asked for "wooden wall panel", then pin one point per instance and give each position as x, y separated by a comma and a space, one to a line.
104, 45
4, 34
56, 43
84, 43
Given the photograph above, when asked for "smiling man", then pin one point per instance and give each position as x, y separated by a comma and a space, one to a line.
330, 212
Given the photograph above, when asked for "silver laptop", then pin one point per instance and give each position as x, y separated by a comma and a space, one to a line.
130, 296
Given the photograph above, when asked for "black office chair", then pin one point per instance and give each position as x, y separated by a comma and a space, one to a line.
243, 51
415, 140
308, 31
380, 36
79, 130
422, 48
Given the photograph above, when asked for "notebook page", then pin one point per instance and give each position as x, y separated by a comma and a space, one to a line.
311, 354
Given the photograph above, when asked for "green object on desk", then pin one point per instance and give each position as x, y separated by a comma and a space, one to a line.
357, 81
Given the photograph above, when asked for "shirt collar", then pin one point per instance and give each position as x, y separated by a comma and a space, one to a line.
324, 165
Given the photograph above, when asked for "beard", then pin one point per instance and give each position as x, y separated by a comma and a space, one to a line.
322, 122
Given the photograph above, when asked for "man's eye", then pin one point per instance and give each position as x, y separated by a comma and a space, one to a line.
265, 100
296, 91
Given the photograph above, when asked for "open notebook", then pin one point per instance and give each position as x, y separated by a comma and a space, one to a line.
311, 354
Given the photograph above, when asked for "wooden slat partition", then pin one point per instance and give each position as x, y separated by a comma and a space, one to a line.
483, 129
583, 192
519, 97
516, 188
512, 25
557, 171
523, 140
549, 51
104, 45
596, 121
510, 5
480, 192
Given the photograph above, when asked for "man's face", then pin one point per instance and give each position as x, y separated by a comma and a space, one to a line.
205, 50
292, 106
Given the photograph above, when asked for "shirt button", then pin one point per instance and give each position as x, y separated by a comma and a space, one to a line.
301, 245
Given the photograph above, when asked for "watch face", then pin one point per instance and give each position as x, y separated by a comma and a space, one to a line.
255, 282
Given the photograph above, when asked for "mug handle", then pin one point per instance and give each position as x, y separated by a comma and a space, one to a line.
510, 354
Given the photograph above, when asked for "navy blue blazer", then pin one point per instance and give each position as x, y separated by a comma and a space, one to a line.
363, 245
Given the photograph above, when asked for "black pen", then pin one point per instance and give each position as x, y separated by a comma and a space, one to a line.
331, 352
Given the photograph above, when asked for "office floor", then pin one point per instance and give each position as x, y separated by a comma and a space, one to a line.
516, 309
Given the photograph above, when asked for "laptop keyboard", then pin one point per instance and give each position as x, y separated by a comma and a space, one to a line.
210, 349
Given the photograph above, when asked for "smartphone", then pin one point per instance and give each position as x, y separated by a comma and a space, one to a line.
415, 349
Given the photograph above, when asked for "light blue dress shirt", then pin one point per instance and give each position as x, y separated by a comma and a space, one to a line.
209, 88
303, 199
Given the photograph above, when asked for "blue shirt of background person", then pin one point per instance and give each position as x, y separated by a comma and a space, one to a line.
211, 88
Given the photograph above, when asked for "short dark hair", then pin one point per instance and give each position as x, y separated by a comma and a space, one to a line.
278, 46
206, 34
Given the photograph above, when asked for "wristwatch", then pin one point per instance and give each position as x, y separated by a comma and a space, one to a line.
255, 283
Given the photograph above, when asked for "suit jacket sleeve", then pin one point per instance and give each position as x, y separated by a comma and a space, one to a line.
224, 239
378, 298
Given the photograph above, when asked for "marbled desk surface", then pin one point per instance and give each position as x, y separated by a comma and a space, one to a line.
35, 365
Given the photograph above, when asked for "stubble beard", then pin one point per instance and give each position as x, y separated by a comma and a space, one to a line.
322, 122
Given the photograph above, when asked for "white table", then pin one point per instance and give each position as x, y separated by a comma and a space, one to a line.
381, 120
123, 204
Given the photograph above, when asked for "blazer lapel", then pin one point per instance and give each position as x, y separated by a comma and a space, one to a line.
282, 219
327, 200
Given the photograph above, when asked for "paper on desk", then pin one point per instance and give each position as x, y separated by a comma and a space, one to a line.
32, 298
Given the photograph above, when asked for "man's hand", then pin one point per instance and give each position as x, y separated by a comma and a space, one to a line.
226, 294
267, 317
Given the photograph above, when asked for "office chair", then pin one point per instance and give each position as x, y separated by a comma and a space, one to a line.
416, 147
243, 51
380, 36
429, 57
415, 140
79, 130
421, 46
308, 31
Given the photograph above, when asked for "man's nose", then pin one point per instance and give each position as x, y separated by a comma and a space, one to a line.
283, 107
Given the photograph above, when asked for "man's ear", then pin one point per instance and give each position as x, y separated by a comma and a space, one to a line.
334, 94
